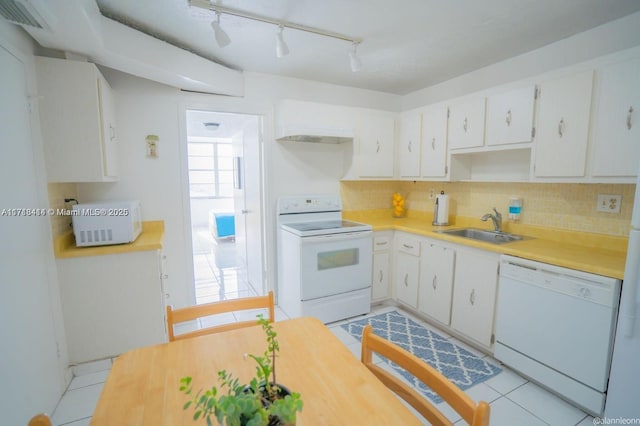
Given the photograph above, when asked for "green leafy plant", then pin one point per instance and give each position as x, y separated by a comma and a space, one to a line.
261, 402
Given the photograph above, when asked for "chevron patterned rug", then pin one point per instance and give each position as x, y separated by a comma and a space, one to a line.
458, 364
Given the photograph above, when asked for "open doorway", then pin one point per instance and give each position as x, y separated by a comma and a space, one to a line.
225, 195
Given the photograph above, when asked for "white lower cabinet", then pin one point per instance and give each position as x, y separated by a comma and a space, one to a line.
381, 266
112, 303
474, 294
436, 281
407, 268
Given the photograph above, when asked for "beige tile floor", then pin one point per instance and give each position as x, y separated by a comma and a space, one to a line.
513, 399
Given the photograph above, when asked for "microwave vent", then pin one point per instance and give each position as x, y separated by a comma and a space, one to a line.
96, 236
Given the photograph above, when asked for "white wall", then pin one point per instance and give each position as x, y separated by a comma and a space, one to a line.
33, 371
144, 107
614, 36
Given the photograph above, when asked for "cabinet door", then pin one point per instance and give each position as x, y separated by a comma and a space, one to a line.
474, 295
380, 285
434, 142
436, 281
407, 269
562, 128
466, 124
376, 134
510, 116
109, 140
616, 149
409, 145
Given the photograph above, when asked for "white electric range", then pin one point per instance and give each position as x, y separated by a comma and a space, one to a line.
324, 262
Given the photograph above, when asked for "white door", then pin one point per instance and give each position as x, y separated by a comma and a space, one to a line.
434, 142
30, 372
466, 124
376, 133
409, 146
436, 281
562, 128
617, 121
510, 116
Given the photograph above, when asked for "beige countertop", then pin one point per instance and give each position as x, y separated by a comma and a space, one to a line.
589, 252
150, 238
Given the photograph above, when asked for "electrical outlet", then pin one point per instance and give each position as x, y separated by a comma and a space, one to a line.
609, 203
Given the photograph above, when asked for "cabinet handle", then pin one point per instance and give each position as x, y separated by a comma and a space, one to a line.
629, 117
407, 246
377, 146
561, 127
472, 297
465, 125
406, 280
508, 119
381, 277
433, 144
434, 283
381, 244
409, 146
112, 132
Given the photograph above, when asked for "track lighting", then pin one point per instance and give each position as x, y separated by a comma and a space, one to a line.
221, 36
281, 47
356, 62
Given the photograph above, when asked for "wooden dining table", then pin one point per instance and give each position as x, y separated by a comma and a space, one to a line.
337, 389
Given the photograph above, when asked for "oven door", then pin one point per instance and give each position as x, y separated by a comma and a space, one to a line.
335, 264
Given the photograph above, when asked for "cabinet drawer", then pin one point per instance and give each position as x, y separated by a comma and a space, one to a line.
409, 245
381, 242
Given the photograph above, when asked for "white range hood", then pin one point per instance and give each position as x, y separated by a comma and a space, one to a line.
301, 121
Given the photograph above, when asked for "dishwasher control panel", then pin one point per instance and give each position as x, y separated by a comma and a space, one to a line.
583, 285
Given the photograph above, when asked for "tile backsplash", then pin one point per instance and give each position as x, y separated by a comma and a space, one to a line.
57, 193
557, 205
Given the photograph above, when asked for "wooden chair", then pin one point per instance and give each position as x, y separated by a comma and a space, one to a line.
176, 316
40, 420
474, 414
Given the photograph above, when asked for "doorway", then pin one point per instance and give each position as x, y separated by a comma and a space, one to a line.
224, 159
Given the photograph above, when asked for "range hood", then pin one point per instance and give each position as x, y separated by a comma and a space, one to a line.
310, 122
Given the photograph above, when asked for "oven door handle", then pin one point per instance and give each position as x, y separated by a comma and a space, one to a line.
337, 237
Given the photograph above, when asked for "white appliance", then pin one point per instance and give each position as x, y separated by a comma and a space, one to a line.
556, 326
324, 262
101, 224
624, 381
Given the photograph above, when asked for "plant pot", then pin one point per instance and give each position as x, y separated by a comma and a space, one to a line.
266, 402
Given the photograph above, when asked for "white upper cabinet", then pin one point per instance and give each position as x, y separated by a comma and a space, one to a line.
466, 124
434, 142
510, 117
409, 144
616, 124
562, 128
77, 121
376, 131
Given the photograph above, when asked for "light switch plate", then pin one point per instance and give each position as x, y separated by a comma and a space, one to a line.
609, 203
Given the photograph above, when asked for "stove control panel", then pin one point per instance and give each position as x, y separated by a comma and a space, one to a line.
309, 204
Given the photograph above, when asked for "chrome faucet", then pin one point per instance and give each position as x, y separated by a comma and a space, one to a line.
497, 220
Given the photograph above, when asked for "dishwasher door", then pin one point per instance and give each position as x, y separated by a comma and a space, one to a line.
560, 318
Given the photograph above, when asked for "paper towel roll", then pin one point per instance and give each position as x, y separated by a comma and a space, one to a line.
441, 213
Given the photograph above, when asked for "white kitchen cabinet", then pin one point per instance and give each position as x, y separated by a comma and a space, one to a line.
77, 121
436, 281
409, 145
112, 303
562, 128
382, 243
616, 124
510, 116
466, 124
474, 294
376, 137
407, 269
434, 142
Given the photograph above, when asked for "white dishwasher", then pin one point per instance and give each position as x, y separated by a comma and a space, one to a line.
556, 326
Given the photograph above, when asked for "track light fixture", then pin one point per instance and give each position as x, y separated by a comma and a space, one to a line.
221, 36
281, 47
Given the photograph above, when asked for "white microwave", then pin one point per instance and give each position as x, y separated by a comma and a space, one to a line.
101, 224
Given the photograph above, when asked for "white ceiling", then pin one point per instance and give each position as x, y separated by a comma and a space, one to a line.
407, 44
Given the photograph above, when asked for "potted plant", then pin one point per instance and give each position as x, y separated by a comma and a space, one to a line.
262, 402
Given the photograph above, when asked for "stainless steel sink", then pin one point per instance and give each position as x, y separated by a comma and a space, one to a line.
493, 237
